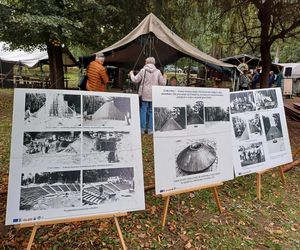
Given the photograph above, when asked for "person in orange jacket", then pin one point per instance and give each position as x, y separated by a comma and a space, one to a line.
96, 73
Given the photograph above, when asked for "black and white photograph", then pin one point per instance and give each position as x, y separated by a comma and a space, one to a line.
168, 119
240, 128
195, 113
35, 109
50, 190
255, 127
273, 130
242, 102
106, 111
251, 154
63, 110
51, 149
106, 147
266, 99
101, 186
216, 114
195, 156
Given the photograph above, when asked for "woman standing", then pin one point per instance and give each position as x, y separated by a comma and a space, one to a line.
148, 76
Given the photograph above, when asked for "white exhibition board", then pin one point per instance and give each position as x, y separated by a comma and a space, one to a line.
74, 154
192, 137
259, 130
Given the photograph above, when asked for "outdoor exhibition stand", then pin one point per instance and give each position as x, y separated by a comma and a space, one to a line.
281, 170
36, 225
167, 196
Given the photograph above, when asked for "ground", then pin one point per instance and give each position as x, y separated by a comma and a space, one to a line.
193, 221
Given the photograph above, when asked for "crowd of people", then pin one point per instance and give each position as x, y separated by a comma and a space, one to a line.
250, 79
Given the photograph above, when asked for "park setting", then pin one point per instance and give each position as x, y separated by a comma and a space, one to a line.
150, 124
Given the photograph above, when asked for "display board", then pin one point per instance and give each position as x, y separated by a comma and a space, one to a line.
192, 137
287, 86
259, 130
74, 153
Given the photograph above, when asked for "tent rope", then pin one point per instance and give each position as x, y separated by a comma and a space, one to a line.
143, 49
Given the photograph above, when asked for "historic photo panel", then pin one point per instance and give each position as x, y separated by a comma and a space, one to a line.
75, 153
259, 130
192, 143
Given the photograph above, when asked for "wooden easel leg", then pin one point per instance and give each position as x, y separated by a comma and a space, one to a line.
258, 186
216, 195
32, 237
120, 233
281, 172
164, 217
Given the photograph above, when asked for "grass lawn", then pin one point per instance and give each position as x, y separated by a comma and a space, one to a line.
193, 221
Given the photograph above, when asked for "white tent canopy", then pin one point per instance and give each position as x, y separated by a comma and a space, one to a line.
31, 58
153, 38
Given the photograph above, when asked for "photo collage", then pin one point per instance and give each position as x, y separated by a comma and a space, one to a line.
191, 116
257, 127
78, 150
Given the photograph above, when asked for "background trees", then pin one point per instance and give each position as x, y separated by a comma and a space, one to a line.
218, 27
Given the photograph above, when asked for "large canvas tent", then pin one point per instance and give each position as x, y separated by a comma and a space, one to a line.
153, 38
31, 58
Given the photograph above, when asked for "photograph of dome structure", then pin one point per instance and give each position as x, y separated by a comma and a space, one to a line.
106, 111
197, 156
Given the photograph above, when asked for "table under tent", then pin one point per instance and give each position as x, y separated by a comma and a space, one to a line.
153, 38
19, 68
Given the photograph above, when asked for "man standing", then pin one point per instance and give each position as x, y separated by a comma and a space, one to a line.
96, 73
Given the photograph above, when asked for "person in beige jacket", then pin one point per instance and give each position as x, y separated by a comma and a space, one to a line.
148, 76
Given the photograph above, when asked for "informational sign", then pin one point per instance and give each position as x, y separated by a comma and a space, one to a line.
259, 130
73, 154
192, 137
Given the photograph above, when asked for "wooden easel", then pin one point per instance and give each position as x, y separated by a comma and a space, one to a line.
167, 196
281, 169
36, 225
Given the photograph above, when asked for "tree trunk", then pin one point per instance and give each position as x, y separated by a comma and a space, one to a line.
264, 16
265, 64
56, 65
